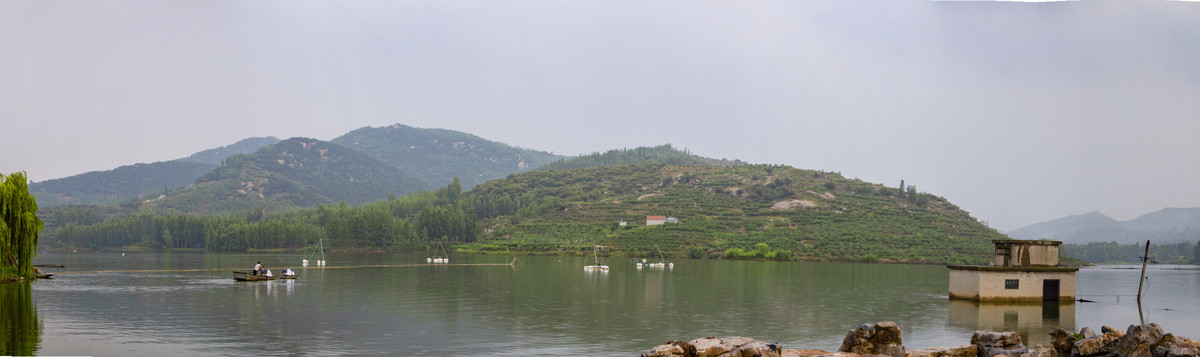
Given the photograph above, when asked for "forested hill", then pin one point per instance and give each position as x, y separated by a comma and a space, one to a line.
297, 172
216, 156
122, 184
664, 154
438, 155
736, 212
727, 211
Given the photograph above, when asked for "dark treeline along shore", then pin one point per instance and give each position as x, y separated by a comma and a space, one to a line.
369, 191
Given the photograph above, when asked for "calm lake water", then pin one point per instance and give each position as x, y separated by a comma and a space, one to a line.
548, 305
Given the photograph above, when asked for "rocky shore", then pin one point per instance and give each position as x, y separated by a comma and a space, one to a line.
883, 339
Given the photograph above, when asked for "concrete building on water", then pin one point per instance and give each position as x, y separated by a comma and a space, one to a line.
1022, 270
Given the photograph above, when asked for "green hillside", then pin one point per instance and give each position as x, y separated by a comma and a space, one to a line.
216, 156
664, 154
297, 172
438, 155
724, 212
118, 185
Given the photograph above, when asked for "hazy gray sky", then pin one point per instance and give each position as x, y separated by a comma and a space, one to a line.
1017, 112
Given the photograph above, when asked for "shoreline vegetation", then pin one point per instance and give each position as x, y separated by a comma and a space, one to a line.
754, 212
884, 339
466, 249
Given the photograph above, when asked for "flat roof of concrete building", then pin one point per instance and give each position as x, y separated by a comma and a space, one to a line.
995, 268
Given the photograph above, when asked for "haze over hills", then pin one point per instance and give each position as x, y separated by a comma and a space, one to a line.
662, 154
1169, 225
216, 156
434, 155
130, 182
439, 155
297, 172
121, 184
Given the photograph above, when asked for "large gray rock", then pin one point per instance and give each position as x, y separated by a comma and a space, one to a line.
993, 343
960, 351
1173, 346
673, 348
1062, 341
1106, 329
1099, 345
1042, 351
1087, 333
716, 347
1139, 340
881, 338
734, 347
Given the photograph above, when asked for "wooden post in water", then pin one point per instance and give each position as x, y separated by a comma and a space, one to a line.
1145, 259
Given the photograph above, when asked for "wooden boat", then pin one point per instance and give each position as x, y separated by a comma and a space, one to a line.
288, 276
245, 276
44, 275
596, 266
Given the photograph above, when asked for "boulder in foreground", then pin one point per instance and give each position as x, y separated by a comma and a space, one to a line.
735, 346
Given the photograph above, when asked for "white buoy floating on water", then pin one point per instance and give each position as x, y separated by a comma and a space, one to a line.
671, 265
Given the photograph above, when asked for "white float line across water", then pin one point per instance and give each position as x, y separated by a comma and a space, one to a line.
299, 268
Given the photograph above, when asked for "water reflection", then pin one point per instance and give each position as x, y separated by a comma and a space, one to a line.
1032, 320
20, 327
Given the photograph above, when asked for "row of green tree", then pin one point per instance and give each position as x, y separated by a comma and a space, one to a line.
1111, 252
406, 222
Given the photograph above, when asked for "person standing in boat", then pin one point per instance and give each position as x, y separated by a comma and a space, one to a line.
257, 268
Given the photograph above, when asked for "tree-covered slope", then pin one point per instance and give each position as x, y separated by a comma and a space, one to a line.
725, 211
664, 154
737, 212
437, 155
216, 156
297, 172
120, 184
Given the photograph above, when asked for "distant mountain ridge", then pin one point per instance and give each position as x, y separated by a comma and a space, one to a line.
297, 172
118, 185
130, 182
421, 156
662, 154
1169, 225
438, 155
216, 156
